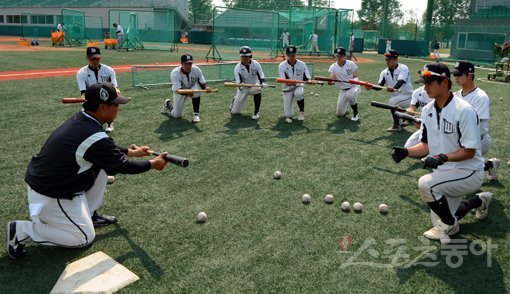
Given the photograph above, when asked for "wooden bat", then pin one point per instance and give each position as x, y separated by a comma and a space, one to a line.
289, 81
408, 117
177, 160
192, 91
355, 82
230, 84
73, 100
392, 107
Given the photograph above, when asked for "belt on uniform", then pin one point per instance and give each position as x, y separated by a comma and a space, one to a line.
347, 89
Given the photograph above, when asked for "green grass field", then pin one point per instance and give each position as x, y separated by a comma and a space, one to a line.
259, 236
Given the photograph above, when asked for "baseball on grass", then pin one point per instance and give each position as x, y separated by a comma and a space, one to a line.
311, 93
316, 94
383, 208
346, 206
277, 174
201, 217
307, 198
358, 207
329, 198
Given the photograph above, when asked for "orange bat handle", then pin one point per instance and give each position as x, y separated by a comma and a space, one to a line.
72, 100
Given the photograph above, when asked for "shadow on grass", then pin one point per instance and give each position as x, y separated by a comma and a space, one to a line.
342, 124
238, 122
410, 168
173, 128
286, 129
418, 204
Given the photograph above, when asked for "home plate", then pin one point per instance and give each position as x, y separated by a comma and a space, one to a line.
96, 273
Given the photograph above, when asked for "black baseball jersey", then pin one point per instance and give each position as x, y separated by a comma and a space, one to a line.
72, 157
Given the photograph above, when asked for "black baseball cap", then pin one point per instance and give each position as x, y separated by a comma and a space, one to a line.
392, 53
104, 93
291, 50
186, 58
245, 51
463, 67
93, 52
433, 72
340, 51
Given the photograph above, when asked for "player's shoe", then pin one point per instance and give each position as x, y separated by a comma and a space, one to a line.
109, 128
394, 128
493, 171
256, 116
442, 232
101, 220
14, 248
301, 116
110, 179
167, 106
288, 120
355, 117
196, 118
482, 211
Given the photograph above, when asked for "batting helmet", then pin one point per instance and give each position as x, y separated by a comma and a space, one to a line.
245, 51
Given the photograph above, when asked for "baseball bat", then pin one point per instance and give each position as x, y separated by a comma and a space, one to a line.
408, 117
289, 81
72, 100
392, 107
325, 79
230, 84
177, 160
353, 81
191, 91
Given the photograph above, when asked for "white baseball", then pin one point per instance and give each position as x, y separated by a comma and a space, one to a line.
201, 217
358, 207
307, 198
277, 174
311, 93
383, 208
316, 94
329, 198
501, 98
346, 206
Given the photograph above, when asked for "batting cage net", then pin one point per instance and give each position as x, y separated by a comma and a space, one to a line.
73, 27
94, 28
343, 27
158, 75
154, 30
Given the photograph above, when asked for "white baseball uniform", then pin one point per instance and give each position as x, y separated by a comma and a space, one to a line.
351, 43
285, 39
181, 80
314, 42
347, 92
119, 31
246, 74
87, 76
298, 71
391, 77
388, 45
419, 99
480, 101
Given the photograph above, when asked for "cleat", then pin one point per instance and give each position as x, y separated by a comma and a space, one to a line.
394, 128
301, 116
109, 128
101, 220
110, 180
167, 106
355, 117
256, 116
433, 234
446, 231
14, 248
493, 171
196, 118
288, 120
482, 211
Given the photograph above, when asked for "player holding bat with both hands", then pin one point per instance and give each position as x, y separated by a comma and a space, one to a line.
66, 180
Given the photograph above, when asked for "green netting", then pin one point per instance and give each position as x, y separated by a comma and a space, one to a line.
344, 27
94, 27
158, 75
476, 42
307, 20
370, 40
74, 27
157, 29
240, 27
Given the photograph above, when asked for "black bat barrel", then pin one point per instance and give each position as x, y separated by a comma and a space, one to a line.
177, 160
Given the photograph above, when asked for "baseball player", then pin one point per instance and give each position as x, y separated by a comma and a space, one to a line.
351, 47
464, 73
388, 45
450, 134
186, 76
345, 70
94, 73
285, 37
67, 178
119, 31
314, 43
295, 69
419, 99
435, 47
248, 71
397, 77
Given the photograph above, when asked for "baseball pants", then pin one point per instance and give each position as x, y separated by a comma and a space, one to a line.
314, 45
285, 43
240, 98
413, 139
403, 100
179, 103
345, 98
288, 100
486, 143
62, 222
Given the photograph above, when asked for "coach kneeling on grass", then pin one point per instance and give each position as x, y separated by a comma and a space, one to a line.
67, 178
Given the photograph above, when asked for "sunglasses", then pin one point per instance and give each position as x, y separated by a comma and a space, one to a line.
428, 74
